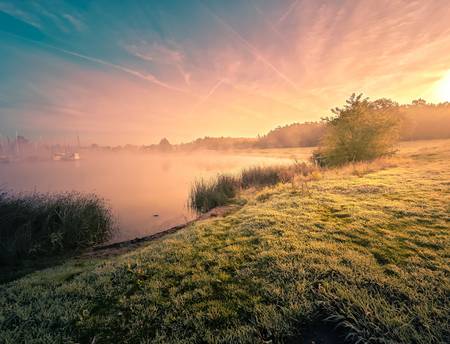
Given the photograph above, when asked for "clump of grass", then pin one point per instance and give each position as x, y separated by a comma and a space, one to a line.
258, 176
34, 225
208, 194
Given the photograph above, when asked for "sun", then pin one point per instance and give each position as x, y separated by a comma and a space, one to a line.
443, 88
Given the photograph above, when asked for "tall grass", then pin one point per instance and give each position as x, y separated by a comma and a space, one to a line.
206, 195
33, 225
260, 176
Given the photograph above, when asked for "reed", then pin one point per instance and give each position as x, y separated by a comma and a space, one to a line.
208, 194
33, 225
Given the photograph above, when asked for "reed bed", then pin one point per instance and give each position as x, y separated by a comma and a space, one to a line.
33, 225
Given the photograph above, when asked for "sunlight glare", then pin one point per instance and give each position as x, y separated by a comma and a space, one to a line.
443, 88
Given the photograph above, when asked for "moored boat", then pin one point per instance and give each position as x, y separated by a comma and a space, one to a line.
66, 156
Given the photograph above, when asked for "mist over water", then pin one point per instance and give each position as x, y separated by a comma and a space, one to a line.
147, 192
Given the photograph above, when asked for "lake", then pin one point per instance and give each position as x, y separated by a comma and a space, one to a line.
147, 192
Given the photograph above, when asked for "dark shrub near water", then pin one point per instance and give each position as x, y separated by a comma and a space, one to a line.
34, 225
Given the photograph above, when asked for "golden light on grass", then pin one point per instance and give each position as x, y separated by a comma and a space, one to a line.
443, 88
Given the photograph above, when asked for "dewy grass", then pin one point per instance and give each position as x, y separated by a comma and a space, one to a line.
369, 254
35, 225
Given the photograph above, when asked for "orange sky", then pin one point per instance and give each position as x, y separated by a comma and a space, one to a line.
212, 69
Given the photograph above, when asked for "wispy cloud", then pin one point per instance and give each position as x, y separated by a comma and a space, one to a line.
37, 14
147, 77
162, 54
154, 51
77, 23
254, 51
20, 14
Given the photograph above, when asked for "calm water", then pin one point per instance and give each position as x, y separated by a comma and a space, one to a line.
137, 186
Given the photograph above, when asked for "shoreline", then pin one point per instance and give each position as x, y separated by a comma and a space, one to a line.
117, 248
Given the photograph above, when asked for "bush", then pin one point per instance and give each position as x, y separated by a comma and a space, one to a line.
33, 225
360, 131
206, 195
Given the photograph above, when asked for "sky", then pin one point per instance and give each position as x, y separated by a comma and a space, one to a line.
116, 72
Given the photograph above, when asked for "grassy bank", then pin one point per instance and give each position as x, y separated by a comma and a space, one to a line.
367, 251
33, 226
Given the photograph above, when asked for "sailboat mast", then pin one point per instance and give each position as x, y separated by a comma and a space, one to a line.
17, 143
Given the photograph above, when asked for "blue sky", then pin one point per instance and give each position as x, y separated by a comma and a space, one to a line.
135, 71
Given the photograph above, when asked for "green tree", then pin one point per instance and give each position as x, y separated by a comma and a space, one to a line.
360, 130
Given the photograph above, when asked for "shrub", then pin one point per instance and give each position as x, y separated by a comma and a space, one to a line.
33, 225
206, 195
360, 131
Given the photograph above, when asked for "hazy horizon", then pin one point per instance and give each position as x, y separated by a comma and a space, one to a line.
137, 72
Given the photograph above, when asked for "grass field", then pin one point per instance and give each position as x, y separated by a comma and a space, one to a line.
366, 249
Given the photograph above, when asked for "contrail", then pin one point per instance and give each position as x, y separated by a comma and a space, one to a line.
254, 51
262, 95
212, 90
147, 77
270, 24
288, 12
208, 95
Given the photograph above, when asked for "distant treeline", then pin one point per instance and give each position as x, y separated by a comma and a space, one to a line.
220, 143
425, 121
306, 134
420, 121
